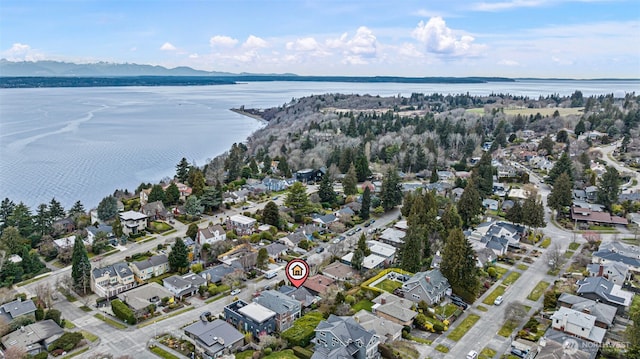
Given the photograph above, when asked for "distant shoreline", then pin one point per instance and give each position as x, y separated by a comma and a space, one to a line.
249, 114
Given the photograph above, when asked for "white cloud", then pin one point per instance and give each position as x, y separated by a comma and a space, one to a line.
561, 61
254, 42
194, 56
167, 46
506, 5
222, 41
357, 49
432, 13
438, 38
409, 50
22, 52
506, 62
304, 44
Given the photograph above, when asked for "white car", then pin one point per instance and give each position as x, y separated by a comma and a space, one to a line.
472, 355
235, 292
498, 300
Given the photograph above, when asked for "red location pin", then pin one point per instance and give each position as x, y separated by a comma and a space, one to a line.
297, 272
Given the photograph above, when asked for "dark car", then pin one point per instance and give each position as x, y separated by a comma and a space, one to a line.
319, 249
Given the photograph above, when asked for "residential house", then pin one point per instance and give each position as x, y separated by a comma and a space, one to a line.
133, 222
339, 271
499, 189
592, 193
579, 195
430, 286
386, 330
355, 206
185, 191
386, 251
238, 196
18, 308
445, 175
275, 250
518, 193
292, 239
553, 345
140, 298
457, 193
393, 308
579, 214
92, 232
634, 220
344, 212
64, 243
325, 220
490, 204
183, 286
628, 250
151, 267
33, 338
286, 308
577, 323
318, 284
274, 184
484, 256
604, 313
302, 294
242, 256
155, 211
630, 196
211, 234
216, 273
616, 272
310, 175
342, 337
64, 226
606, 256
373, 261
216, 338
252, 318
109, 281
242, 225
393, 236
603, 290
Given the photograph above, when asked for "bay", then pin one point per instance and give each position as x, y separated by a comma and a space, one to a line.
83, 143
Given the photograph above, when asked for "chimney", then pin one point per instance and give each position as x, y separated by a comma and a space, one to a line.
565, 318
428, 279
383, 301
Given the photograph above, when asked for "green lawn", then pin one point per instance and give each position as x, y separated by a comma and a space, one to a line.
463, 327
500, 271
88, 336
492, 297
522, 266
507, 329
511, 278
69, 324
248, 354
568, 254
487, 353
545, 242
538, 291
573, 246
441, 348
110, 321
363, 304
389, 285
158, 226
32, 280
84, 308
285, 354
163, 353
419, 340
482, 308
77, 352
446, 310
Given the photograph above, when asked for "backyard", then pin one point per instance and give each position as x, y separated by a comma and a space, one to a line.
389, 285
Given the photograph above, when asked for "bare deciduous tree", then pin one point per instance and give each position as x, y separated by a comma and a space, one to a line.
43, 292
515, 313
554, 257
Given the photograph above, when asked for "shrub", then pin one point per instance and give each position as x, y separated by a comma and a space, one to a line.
302, 353
268, 351
438, 327
302, 331
66, 342
493, 273
41, 355
123, 312
53, 314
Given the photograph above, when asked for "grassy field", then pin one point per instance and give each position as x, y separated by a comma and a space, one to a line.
163, 353
492, 297
285, 354
446, 310
110, 321
507, 329
389, 285
487, 353
500, 271
419, 340
573, 246
545, 242
69, 324
568, 254
363, 304
522, 266
511, 278
482, 308
464, 327
88, 336
442, 348
537, 292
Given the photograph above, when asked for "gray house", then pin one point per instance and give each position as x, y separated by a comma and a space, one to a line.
250, 317
33, 338
215, 338
430, 286
342, 337
286, 308
18, 308
605, 291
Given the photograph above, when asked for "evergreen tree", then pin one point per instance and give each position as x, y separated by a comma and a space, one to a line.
434, 175
325, 190
391, 194
357, 259
253, 166
450, 220
562, 136
561, 195
483, 175
193, 207
412, 250
6, 208
459, 265
22, 219
157, 194
197, 183
107, 208
42, 220
580, 128
263, 258
172, 194
470, 204
179, 256
350, 181
266, 164
514, 214
609, 187
563, 165
192, 231
362, 245
366, 203
80, 266
271, 214
12, 241
533, 212
297, 199
421, 160
283, 168
362, 166
56, 211
546, 145
117, 227
210, 199
182, 170
77, 210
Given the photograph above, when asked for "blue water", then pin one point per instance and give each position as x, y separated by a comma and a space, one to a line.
83, 143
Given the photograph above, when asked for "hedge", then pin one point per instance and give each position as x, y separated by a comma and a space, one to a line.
66, 342
303, 330
123, 312
384, 272
302, 353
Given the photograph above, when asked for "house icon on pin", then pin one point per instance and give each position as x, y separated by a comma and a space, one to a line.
296, 270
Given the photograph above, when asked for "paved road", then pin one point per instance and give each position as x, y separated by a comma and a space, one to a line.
607, 156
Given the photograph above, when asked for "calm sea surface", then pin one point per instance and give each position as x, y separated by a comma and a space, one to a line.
83, 143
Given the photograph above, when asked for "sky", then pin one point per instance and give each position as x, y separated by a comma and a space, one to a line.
510, 38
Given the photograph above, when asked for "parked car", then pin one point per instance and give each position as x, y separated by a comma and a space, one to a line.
498, 300
319, 249
336, 241
472, 355
460, 304
235, 292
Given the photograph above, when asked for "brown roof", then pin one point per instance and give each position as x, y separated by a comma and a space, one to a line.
318, 283
587, 215
339, 270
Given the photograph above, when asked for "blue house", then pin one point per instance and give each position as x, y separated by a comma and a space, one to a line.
252, 317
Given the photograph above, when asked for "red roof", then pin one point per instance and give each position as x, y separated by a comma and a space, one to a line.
587, 215
318, 283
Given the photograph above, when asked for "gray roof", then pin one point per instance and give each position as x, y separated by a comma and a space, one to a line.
278, 302
381, 326
17, 308
101, 228
346, 330
274, 249
32, 334
256, 312
215, 335
432, 281
604, 313
561, 337
132, 216
119, 269
216, 273
296, 237
616, 269
140, 297
603, 288
397, 311
617, 257
622, 248
151, 262
580, 319
327, 218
